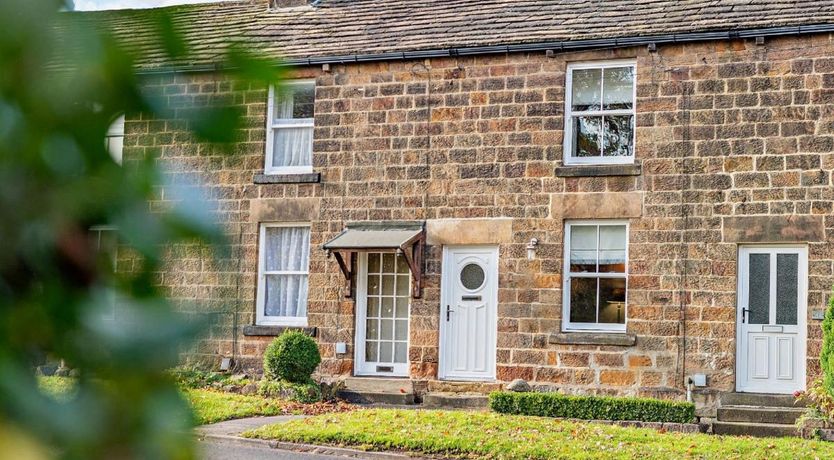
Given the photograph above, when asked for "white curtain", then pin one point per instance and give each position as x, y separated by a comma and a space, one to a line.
292, 146
287, 253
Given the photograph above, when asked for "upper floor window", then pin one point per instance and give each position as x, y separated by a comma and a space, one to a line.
289, 142
599, 113
283, 267
114, 139
596, 275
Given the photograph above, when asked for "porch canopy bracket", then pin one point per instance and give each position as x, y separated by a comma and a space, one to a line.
400, 237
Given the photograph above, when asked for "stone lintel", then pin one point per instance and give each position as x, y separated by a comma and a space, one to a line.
469, 231
284, 210
256, 330
773, 229
599, 205
593, 338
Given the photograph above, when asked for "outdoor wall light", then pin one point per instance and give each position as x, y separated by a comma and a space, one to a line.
531, 248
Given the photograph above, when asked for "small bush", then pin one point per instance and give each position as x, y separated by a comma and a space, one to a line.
292, 356
299, 392
592, 407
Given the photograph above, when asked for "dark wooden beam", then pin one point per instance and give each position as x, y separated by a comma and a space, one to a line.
348, 269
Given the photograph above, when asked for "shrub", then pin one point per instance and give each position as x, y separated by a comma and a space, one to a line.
592, 407
300, 392
292, 356
827, 352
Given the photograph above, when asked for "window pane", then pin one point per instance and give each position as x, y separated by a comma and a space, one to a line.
373, 263
287, 248
612, 296
759, 293
294, 101
286, 295
612, 244
402, 265
385, 352
387, 284
618, 88
586, 89
401, 332
402, 307
388, 263
583, 300
292, 147
373, 307
583, 248
787, 287
586, 136
403, 285
618, 140
373, 284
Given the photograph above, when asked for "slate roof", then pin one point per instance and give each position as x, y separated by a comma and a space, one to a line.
345, 27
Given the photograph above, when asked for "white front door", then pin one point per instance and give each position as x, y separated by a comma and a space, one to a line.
383, 296
771, 319
468, 313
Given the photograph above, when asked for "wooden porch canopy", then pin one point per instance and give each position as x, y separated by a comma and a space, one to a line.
406, 238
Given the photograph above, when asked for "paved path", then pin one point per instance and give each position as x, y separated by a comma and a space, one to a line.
218, 450
236, 427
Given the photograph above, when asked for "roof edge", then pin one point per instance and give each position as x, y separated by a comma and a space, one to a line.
555, 46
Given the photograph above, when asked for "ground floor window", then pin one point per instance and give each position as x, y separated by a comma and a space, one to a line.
283, 264
384, 293
596, 275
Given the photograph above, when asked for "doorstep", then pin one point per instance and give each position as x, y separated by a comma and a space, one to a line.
371, 390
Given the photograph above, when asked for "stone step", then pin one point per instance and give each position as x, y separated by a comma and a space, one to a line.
759, 430
445, 386
758, 400
377, 385
396, 399
455, 401
752, 414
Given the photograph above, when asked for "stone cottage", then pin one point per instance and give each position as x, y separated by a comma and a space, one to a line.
626, 198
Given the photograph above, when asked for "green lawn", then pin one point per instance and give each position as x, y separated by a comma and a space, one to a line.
211, 406
490, 435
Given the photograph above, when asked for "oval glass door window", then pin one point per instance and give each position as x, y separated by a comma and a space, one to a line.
472, 276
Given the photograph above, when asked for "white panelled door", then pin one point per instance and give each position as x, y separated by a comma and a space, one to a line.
771, 319
468, 313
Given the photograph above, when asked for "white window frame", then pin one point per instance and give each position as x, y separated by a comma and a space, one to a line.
116, 131
272, 125
568, 157
261, 318
567, 325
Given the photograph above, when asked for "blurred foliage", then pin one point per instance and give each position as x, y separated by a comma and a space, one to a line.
62, 82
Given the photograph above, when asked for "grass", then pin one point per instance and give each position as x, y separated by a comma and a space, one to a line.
490, 435
212, 406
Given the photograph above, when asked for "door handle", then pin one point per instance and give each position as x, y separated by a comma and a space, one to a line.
448, 312
744, 312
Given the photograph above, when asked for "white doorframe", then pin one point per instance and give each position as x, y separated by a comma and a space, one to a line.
743, 383
360, 366
449, 289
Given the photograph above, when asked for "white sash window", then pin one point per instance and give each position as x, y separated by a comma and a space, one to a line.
289, 141
595, 276
283, 264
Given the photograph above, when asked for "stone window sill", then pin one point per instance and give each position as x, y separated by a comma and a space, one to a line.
303, 178
593, 338
599, 170
272, 331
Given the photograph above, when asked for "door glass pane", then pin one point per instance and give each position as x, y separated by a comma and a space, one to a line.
583, 300
402, 285
386, 352
386, 329
612, 295
371, 351
401, 330
586, 135
586, 89
402, 307
372, 329
387, 284
387, 307
472, 276
787, 287
759, 294
400, 352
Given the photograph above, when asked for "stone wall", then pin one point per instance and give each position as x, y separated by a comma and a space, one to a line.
734, 145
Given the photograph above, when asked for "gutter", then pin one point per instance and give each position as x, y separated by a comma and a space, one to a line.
553, 46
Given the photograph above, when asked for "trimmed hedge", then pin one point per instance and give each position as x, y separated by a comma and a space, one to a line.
592, 407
